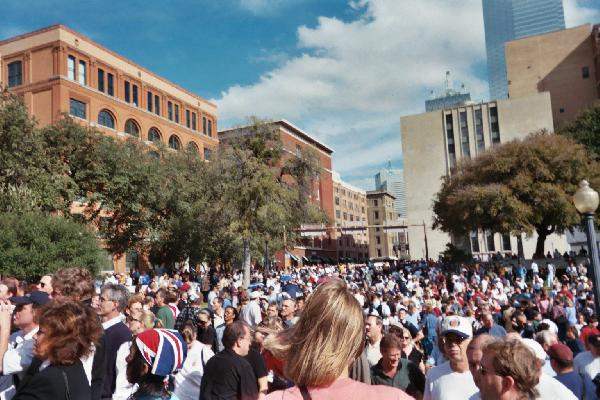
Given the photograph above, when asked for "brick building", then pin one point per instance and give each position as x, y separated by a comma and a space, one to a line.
294, 141
57, 70
350, 204
563, 63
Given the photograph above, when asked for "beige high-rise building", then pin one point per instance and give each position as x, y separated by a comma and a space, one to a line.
350, 205
432, 144
563, 63
380, 212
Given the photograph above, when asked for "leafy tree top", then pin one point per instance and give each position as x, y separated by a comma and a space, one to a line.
518, 187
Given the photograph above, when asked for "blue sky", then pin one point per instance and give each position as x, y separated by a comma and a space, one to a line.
343, 70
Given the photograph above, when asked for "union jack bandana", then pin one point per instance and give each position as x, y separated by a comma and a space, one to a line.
164, 350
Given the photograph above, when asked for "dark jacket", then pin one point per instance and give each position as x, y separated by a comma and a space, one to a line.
115, 336
49, 384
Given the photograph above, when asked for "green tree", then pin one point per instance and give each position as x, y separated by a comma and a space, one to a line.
518, 187
258, 191
33, 244
27, 167
585, 129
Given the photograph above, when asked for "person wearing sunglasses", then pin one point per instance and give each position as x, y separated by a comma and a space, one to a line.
508, 371
45, 284
452, 379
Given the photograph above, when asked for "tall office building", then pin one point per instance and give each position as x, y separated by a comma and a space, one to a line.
506, 20
434, 143
392, 180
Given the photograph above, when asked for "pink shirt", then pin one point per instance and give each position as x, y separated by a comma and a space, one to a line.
343, 388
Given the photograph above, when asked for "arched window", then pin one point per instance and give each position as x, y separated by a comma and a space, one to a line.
132, 128
154, 154
193, 147
174, 142
105, 118
154, 135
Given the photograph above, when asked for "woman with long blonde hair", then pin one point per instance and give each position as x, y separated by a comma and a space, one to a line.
319, 349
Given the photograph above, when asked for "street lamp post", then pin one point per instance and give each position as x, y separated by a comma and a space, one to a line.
586, 202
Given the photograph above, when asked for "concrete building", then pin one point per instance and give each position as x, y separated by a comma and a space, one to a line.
57, 70
295, 141
562, 63
432, 144
380, 212
506, 20
392, 180
350, 204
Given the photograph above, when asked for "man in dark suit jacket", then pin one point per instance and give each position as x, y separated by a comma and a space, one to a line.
113, 301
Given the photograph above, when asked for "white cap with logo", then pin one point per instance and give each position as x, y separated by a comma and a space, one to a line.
458, 325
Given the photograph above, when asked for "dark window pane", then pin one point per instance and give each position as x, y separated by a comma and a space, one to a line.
153, 135
207, 154
127, 92
170, 110
194, 121
177, 113
156, 104
204, 125
15, 73
149, 101
187, 118
110, 84
106, 119
77, 108
132, 128
210, 128
100, 80
135, 95
585, 72
174, 142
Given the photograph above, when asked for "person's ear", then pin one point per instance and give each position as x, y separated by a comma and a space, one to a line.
508, 383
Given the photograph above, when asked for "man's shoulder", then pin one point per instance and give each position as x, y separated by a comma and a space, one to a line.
439, 371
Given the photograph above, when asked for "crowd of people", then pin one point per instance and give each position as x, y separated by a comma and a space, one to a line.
419, 330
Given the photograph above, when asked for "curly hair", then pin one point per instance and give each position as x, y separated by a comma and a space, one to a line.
68, 329
76, 283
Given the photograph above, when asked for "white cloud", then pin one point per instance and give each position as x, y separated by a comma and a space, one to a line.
579, 12
355, 79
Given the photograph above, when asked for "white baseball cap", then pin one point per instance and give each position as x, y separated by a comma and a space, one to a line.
459, 325
537, 348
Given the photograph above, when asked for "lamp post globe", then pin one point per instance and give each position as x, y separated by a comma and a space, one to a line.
586, 202
585, 198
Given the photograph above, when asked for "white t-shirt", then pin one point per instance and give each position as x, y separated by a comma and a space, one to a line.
443, 383
17, 359
373, 353
589, 371
188, 380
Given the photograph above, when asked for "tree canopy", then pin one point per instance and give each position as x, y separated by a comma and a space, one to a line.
172, 208
518, 187
34, 244
585, 129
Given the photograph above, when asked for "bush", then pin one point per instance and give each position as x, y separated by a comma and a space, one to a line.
33, 244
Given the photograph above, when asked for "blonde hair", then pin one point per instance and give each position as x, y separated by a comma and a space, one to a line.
327, 338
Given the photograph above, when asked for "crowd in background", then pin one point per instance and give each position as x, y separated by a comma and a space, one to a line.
419, 330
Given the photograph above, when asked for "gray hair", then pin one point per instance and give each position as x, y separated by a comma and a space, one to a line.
117, 293
545, 337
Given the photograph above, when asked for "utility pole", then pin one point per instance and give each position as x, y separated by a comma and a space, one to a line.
426, 246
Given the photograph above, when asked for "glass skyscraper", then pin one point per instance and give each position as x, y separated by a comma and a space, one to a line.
506, 20
392, 180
